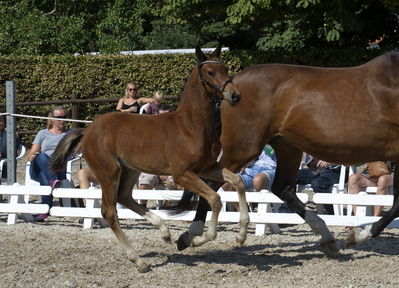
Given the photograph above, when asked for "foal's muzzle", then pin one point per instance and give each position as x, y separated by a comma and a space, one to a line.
231, 94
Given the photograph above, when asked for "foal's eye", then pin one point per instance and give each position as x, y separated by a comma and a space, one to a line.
211, 73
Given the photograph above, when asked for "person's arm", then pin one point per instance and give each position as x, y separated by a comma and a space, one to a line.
323, 164
144, 100
119, 105
34, 150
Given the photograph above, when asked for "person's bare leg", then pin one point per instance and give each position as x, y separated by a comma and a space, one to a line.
356, 182
383, 184
144, 187
260, 182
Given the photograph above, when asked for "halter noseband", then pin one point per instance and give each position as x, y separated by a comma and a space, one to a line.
204, 81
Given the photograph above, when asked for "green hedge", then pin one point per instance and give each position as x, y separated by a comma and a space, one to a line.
104, 77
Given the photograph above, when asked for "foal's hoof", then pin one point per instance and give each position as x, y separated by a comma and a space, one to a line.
144, 268
167, 239
351, 238
330, 248
240, 241
184, 241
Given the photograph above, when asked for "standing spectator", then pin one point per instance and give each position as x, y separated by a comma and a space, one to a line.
131, 102
43, 147
358, 181
3, 144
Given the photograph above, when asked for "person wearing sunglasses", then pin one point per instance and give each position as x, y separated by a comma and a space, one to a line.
43, 147
131, 102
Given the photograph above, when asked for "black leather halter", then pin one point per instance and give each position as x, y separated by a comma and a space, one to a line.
205, 81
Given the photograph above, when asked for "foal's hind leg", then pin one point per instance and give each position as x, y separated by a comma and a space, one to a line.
127, 180
109, 179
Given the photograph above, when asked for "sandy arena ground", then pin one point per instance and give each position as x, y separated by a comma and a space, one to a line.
59, 253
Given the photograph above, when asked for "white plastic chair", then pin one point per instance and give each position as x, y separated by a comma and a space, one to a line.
143, 109
4, 160
30, 181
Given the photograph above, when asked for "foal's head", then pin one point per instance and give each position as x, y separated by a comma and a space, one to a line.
214, 77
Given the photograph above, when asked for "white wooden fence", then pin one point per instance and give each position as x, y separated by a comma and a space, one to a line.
19, 204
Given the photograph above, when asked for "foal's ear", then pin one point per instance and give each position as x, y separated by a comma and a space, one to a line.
200, 55
216, 52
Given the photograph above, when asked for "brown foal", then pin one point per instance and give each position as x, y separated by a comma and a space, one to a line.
183, 143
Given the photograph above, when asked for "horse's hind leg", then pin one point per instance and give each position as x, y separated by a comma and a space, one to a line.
127, 180
288, 159
357, 235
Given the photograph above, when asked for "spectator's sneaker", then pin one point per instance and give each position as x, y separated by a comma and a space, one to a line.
55, 184
40, 217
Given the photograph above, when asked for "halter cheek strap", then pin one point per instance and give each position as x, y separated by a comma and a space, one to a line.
218, 88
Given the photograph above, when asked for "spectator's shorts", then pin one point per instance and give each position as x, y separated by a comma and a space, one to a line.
148, 179
251, 172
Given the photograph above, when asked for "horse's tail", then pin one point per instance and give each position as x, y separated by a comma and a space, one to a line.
184, 205
65, 147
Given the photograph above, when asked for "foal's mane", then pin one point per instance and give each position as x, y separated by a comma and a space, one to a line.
181, 93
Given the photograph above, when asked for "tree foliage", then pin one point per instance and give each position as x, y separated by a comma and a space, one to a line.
47, 27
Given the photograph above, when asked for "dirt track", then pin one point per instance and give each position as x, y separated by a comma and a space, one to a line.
59, 253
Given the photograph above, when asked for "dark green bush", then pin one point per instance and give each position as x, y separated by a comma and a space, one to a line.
55, 78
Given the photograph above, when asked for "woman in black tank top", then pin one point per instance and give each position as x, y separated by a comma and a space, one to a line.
131, 102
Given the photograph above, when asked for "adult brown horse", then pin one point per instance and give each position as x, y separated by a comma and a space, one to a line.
183, 143
341, 115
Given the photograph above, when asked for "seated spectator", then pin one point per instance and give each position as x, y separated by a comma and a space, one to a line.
3, 144
164, 108
257, 174
153, 108
148, 182
359, 181
322, 176
170, 184
42, 148
85, 177
131, 102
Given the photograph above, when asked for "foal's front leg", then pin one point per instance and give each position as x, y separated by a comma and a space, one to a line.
192, 182
239, 186
215, 173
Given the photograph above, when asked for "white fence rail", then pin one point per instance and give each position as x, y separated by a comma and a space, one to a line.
19, 204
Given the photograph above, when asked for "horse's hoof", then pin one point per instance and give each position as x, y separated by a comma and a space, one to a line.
240, 241
350, 240
330, 248
183, 242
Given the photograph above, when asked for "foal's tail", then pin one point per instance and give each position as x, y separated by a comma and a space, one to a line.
184, 205
65, 147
